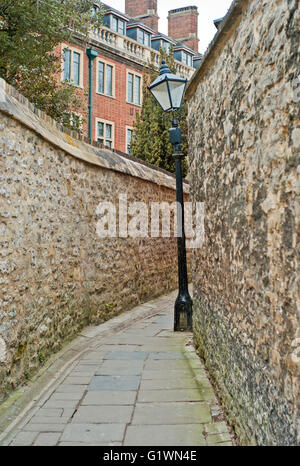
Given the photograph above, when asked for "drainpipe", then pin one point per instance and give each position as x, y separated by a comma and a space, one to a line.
92, 54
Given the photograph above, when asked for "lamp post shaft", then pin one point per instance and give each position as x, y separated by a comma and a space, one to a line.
183, 305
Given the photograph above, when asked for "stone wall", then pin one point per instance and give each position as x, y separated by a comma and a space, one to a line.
56, 274
245, 165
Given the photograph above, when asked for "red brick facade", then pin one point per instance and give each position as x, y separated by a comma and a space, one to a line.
183, 26
113, 109
144, 10
119, 55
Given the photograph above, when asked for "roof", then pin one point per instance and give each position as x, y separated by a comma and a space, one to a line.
180, 46
133, 24
159, 35
108, 9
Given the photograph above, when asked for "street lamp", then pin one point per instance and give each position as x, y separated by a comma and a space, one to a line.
168, 90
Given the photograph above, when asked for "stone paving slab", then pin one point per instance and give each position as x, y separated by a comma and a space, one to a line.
88, 433
149, 396
165, 435
103, 414
110, 398
140, 385
171, 413
115, 382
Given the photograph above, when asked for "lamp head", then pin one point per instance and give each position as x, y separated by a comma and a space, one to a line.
168, 89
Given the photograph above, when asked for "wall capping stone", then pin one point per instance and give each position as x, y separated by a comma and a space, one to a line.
226, 30
18, 107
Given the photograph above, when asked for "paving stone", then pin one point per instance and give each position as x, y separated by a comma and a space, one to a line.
103, 414
75, 396
172, 413
82, 380
216, 428
123, 355
90, 433
24, 438
60, 404
113, 367
95, 444
163, 374
166, 355
50, 420
94, 398
67, 388
166, 365
51, 412
168, 384
117, 347
165, 435
85, 368
47, 439
148, 396
168, 347
215, 439
44, 427
122, 382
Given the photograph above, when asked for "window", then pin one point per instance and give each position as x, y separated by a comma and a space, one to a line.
143, 37
129, 134
105, 133
134, 89
118, 25
187, 59
72, 66
105, 79
165, 45
67, 65
76, 68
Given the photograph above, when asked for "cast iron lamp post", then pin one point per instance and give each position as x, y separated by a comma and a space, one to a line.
168, 90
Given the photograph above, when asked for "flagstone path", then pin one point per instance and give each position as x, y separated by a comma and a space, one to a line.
133, 381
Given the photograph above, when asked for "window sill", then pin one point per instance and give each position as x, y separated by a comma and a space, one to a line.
72, 84
105, 95
136, 105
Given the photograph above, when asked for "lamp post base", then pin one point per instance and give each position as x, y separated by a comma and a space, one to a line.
183, 313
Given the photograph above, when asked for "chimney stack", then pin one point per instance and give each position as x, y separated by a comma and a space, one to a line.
183, 26
144, 11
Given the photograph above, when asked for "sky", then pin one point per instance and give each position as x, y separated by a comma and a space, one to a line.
208, 11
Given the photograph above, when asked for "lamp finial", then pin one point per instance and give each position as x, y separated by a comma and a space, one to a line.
164, 69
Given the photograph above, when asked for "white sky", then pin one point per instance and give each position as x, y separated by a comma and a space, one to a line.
208, 11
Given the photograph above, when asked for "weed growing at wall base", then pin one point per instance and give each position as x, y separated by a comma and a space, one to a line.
157, 220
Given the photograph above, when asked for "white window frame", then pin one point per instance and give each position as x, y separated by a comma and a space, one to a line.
141, 88
126, 138
118, 22
145, 34
105, 122
72, 50
106, 62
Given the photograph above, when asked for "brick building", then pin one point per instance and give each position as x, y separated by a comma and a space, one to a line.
124, 45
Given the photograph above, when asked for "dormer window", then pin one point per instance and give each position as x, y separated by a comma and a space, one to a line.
187, 59
165, 45
118, 25
144, 38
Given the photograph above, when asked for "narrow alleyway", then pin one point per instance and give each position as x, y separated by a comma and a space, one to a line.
141, 385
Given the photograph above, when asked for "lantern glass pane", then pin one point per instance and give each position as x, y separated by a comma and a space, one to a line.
161, 94
176, 91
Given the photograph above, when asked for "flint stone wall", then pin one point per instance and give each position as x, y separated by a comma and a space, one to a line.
56, 274
244, 125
